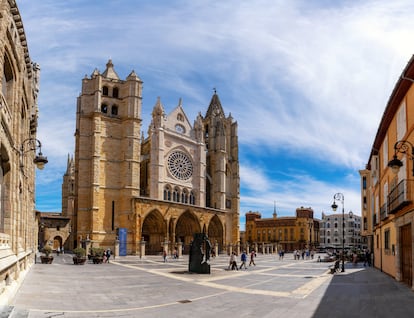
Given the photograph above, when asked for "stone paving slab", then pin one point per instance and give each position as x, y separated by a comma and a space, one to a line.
133, 287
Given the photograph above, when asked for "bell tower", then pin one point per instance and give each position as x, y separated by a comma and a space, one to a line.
222, 164
107, 153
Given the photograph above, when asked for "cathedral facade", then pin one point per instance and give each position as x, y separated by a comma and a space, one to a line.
155, 191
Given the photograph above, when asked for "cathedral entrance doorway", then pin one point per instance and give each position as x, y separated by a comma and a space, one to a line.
215, 233
154, 232
187, 225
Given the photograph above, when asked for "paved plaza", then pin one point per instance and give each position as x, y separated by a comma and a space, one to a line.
133, 287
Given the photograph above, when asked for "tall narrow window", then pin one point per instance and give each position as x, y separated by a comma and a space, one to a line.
104, 108
113, 216
387, 239
385, 153
192, 198
7, 81
115, 92
105, 90
401, 121
114, 110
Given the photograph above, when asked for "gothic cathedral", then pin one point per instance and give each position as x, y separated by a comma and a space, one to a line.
155, 191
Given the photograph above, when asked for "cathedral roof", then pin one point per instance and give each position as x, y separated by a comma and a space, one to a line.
110, 72
134, 76
215, 107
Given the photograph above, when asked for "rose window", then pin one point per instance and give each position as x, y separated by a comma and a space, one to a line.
180, 166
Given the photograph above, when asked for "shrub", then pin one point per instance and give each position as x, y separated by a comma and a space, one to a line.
97, 251
47, 250
79, 252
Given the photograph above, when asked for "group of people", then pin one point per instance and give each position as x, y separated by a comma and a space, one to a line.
297, 254
243, 259
174, 255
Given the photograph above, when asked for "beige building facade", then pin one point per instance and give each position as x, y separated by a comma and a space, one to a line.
387, 194
18, 147
286, 233
143, 194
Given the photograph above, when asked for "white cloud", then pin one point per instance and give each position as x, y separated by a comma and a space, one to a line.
300, 77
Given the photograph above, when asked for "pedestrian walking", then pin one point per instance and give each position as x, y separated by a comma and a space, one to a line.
252, 256
243, 260
367, 258
164, 255
108, 255
233, 263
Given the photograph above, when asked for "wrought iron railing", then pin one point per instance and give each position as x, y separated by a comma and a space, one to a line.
400, 196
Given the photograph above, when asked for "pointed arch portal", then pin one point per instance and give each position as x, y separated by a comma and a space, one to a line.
187, 225
154, 232
215, 232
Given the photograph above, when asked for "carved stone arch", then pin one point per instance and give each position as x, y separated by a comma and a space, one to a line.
57, 242
187, 225
216, 232
154, 232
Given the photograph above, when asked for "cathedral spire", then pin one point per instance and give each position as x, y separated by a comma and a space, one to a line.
215, 107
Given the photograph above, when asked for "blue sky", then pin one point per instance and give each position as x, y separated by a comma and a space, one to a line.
307, 82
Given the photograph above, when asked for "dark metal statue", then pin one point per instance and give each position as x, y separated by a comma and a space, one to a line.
200, 254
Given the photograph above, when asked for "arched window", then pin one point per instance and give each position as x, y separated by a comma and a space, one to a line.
192, 198
184, 196
114, 110
104, 108
180, 117
176, 195
105, 90
167, 193
7, 81
328, 225
115, 92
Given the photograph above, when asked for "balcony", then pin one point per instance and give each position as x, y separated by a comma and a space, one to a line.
400, 196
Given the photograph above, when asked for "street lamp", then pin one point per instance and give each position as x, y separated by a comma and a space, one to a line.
31, 144
401, 146
340, 197
351, 215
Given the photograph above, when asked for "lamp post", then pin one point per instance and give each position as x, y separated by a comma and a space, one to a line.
401, 146
351, 215
340, 197
31, 144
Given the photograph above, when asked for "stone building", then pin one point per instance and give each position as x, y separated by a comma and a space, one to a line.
334, 228
18, 147
54, 230
287, 233
387, 192
145, 194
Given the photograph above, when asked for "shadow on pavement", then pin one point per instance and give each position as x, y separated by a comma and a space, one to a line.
365, 292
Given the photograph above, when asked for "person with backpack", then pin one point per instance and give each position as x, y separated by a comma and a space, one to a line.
243, 260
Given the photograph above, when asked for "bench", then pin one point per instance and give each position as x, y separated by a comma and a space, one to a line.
334, 268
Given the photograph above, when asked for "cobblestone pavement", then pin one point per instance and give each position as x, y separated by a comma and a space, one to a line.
148, 287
